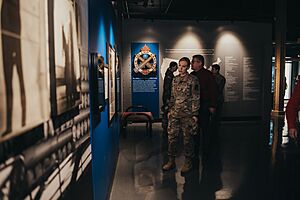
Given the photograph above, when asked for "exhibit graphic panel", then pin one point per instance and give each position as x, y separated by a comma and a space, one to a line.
251, 83
66, 52
145, 76
118, 82
111, 57
233, 79
24, 95
43, 154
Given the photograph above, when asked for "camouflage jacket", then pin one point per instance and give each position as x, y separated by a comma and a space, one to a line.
185, 96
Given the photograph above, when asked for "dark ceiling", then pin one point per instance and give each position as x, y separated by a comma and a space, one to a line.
242, 10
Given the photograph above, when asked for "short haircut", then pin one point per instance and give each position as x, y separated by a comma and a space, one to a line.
200, 58
186, 59
216, 66
173, 64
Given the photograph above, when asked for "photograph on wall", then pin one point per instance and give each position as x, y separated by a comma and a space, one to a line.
106, 82
66, 53
111, 80
97, 86
100, 82
118, 79
144, 62
24, 96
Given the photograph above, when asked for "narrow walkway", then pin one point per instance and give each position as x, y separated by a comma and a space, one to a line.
243, 169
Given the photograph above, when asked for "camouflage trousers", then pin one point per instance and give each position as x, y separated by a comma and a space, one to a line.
188, 126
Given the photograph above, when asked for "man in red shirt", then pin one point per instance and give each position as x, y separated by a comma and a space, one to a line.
208, 101
292, 109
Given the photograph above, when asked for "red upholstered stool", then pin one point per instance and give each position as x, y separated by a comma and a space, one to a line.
139, 115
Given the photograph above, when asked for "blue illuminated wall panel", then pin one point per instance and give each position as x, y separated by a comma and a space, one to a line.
104, 135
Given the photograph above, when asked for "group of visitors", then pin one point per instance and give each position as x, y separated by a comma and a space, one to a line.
192, 103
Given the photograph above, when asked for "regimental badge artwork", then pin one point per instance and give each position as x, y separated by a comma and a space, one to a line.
145, 62
145, 76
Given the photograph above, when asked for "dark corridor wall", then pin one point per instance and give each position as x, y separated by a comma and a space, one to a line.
44, 97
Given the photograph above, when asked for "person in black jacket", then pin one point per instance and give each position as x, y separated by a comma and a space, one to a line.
220, 80
167, 87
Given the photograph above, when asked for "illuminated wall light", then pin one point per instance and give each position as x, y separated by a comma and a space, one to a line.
189, 28
101, 39
111, 35
228, 37
188, 41
220, 29
150, 36
229, 43
149, 30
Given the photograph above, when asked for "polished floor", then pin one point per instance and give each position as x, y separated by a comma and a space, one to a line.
248, 163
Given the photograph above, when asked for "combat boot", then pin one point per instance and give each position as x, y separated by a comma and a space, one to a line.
187, 166
170, 164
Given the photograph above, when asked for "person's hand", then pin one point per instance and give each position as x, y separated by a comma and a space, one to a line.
293, 133
195, 118
212, 110
168, 115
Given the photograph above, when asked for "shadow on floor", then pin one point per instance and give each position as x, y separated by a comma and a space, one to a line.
83, 188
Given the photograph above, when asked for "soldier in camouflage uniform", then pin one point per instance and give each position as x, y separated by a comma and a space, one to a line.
184, 110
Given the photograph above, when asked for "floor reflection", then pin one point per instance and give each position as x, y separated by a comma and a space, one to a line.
241, 166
